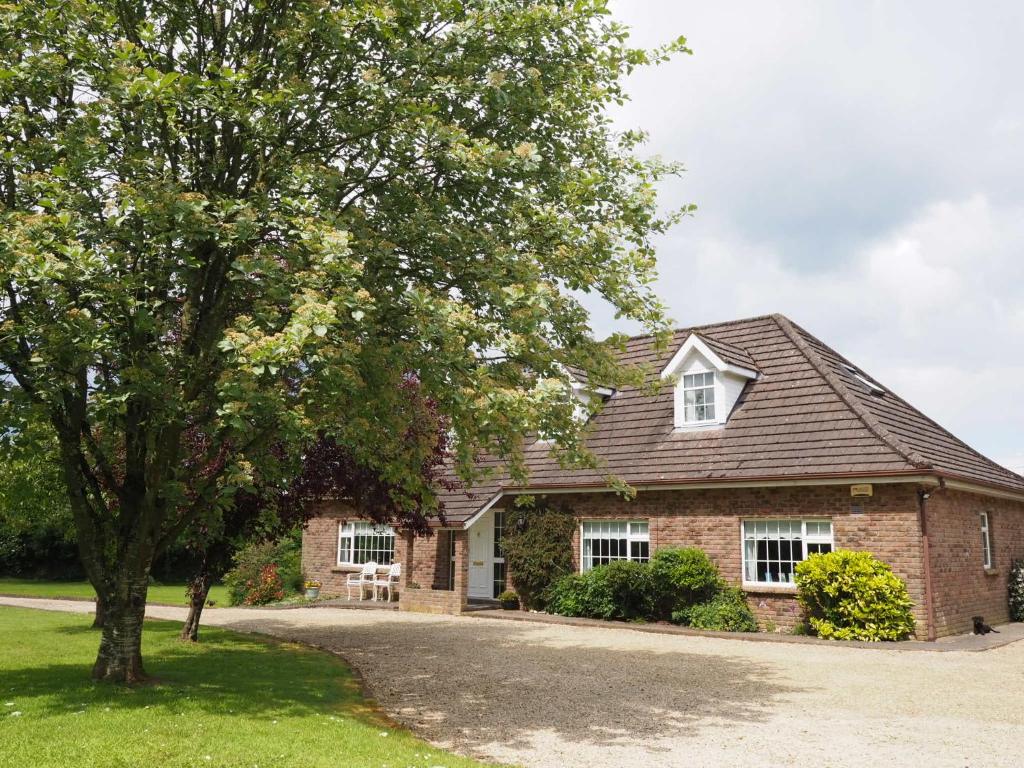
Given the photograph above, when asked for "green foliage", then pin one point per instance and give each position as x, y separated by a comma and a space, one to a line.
222, 232
267, 588
854, 596
509, 599
539, 552
233, 697
250, 582
680, 584
682, 577
726, 611
620, 590
1016, 590
36, 530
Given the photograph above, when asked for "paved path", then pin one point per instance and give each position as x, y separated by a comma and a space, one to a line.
556, 696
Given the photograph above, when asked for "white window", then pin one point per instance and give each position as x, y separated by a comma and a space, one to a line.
772, 548
608, 540
699, 397
986, 541
360, 543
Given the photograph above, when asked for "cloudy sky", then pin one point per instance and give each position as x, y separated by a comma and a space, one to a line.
858, 167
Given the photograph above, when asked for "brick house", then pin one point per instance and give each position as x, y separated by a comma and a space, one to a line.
762, 446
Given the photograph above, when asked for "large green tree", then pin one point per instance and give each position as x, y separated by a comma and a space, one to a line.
244, 219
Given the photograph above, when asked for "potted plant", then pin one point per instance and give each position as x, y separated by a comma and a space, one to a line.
509, 600
312, 589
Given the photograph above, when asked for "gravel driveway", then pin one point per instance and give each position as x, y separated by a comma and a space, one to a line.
554, 696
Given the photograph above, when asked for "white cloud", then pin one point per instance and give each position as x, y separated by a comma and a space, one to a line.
857, 167
930, 308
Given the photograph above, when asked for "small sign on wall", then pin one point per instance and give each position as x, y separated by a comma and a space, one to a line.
864, 489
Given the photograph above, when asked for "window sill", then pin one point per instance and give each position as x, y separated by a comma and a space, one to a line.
346, 569
770, 589
991, 571
698, 426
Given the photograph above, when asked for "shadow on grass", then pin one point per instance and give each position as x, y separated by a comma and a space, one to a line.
476, 683
226, 673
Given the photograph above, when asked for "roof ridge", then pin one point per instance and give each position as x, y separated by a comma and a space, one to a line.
873, 424
697, 328
728, 345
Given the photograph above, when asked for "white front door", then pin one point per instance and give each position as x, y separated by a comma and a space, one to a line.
481, 557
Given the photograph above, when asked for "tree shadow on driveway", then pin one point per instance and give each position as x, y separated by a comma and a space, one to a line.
471, 683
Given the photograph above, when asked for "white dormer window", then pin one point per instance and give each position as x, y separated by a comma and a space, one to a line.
582, 396
708, 382
699, 397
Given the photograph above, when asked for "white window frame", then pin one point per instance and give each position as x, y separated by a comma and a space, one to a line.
805, 538
631, 537
713, 388
986, 541
349, 531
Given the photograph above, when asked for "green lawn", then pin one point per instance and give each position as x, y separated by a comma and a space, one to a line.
170, 594
233, 700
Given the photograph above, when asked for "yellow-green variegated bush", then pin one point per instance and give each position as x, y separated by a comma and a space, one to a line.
854, 596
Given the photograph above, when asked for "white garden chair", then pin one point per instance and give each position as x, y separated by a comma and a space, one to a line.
362, 581
389, 582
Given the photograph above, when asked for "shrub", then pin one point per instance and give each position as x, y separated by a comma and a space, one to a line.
252, 559
854, 596
682, 577
619, 590
570, 596
727, 611
539, 552
267, 588
1016, 587
509, 599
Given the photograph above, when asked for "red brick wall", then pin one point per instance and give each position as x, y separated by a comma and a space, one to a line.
711, 520
427, 599
430, 560
961, 586
419, 556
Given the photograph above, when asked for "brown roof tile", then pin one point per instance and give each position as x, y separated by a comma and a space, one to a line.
806, 415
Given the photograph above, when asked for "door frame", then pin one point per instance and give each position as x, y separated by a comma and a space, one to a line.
481, 550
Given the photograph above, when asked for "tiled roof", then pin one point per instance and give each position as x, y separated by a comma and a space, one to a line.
729, 352
806, 415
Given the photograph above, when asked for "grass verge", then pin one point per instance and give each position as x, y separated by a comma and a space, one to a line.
232, 701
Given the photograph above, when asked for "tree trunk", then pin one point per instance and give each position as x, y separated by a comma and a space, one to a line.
120, 655
101, 611
198, 591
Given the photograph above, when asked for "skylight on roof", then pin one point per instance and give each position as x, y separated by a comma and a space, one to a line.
872, 386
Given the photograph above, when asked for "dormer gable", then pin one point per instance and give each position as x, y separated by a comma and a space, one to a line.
709, 378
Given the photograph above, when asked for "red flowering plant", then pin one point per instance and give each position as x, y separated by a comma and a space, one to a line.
268, 589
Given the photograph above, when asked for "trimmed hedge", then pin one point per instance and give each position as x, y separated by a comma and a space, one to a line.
619, 590
725, 612
854, 596
683, 576
679, 584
